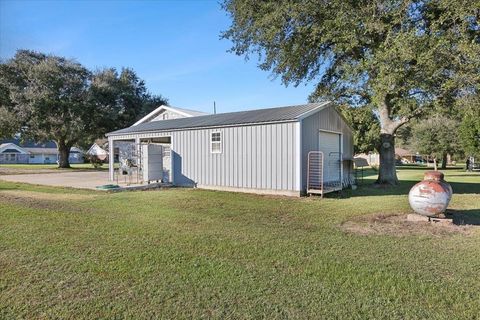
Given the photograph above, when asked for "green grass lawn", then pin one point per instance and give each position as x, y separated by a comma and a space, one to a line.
184, 253
50, 166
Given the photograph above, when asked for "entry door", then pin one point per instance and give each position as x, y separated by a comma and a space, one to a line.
331, 146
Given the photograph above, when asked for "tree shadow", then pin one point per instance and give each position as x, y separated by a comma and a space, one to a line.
3, 188
465, 175
404, 186
464, 217
423, 167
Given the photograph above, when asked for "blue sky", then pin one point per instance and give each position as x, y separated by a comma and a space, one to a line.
174, 46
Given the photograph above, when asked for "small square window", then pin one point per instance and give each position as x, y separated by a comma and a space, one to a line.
216, 142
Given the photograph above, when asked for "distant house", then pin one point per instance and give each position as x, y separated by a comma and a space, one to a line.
373, 159
289, 150
97, 151
407, 156
13, 151
402, 155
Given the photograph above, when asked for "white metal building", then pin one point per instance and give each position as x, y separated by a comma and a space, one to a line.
259, 151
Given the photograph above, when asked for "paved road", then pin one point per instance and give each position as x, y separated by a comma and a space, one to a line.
84, 180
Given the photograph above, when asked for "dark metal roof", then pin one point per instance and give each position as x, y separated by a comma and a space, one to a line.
10, 151
281, 114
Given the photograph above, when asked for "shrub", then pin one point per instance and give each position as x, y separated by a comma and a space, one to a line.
95, 161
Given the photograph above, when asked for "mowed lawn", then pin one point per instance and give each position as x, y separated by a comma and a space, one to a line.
35, 167
184, 253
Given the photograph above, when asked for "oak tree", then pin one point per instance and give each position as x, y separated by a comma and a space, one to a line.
397, 57
46, 97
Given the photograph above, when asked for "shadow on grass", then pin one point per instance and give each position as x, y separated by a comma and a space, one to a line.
465, 175
464, 217
423, 167
367, 188
4, 188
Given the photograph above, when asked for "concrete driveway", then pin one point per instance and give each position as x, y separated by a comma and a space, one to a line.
82, 179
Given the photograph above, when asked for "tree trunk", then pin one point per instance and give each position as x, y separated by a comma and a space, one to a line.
444, 161
63, 153
387, 173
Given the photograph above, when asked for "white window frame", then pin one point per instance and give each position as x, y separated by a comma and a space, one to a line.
220, 143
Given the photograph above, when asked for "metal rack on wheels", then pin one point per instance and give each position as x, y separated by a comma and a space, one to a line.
319, 172
130, 168
315, 173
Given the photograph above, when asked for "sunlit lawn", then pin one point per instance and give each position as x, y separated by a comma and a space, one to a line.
49, 166
184, 253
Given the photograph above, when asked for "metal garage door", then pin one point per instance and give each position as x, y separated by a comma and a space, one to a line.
330, 145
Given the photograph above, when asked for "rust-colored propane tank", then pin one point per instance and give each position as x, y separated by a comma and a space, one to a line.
431, 196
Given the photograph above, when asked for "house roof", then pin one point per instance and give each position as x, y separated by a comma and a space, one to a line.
28, 146
280, 114
30, 143
96, 149
181, 111
10, 147
404, 152
10, 151
50, 150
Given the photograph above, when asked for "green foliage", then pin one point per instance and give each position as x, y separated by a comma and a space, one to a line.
365, 126
469, 131
435, 136
95, 161
9, 124
120, 99
45, 97
388, 54
48, 95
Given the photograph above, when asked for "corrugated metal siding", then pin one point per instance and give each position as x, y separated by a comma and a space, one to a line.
170, 115
253, 157
326, 119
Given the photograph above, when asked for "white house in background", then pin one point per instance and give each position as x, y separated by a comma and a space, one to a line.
97, 151
13, 151
289, 150
167, 113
